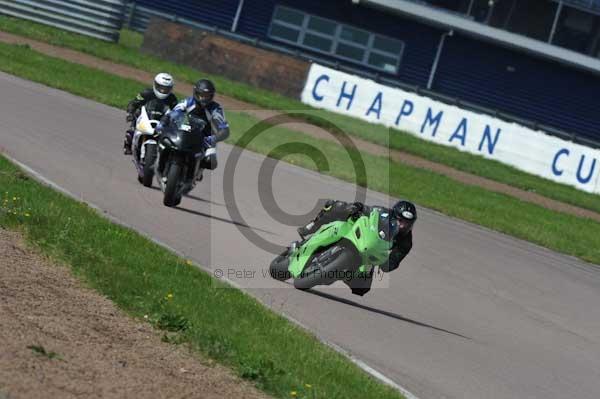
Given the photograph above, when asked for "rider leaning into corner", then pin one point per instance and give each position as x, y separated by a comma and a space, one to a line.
202, 105
402, 217
161, 91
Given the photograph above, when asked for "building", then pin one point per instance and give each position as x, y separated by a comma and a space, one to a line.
533, 61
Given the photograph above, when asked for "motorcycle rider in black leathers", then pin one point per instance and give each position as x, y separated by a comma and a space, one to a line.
402, 215
161, 91
202, 106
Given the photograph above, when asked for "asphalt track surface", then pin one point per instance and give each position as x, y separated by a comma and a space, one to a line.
469, 314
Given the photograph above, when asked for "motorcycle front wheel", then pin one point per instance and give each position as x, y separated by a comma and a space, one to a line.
328, 266
149, 160
170, 196
279, 267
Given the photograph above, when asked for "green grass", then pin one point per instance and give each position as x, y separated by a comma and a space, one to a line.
40, 350
127, 52
562, 232
190, 306
130, 39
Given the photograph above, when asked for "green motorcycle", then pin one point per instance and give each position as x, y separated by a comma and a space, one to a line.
337, 251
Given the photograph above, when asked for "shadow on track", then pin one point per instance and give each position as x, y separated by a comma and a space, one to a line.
208, 215
193, 197
382, 312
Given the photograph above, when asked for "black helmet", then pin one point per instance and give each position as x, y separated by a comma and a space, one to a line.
204, 91
405, 213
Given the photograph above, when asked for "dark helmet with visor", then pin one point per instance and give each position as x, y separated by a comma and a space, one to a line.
405, 215
204, 92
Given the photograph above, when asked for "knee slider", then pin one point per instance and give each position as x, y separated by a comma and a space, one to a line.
209, 162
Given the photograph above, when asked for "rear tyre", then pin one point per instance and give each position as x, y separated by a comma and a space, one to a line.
170, 198
279, 267
149, 160
328, 266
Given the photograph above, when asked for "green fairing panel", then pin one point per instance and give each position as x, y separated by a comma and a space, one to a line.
363, 233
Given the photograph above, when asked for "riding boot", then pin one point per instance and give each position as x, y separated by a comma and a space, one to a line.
326, 215
127, 143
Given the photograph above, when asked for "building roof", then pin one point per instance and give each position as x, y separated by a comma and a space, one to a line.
449, 20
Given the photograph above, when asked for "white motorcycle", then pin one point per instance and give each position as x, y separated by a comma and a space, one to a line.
144, 144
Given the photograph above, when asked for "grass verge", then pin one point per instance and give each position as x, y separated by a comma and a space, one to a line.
561, 232
191, 307
128, 52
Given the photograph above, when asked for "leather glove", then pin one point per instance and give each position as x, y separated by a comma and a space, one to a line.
356, 209
210, 141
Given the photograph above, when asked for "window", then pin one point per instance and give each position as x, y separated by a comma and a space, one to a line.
354, 35
382, 62
354, 53
317, 42
321, 25
285, 32
287, 15
577, 30
339, 40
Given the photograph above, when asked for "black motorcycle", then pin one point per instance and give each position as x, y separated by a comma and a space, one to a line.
181, 148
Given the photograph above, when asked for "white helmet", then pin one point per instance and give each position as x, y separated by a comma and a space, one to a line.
163, 85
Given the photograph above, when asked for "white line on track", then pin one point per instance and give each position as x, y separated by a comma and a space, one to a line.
364, 366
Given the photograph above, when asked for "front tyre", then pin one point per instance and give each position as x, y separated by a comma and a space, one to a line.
149, 160
170, 197
279, 267
328, 266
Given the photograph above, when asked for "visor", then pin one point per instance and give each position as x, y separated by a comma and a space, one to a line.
162, 89
403, 225
203, 97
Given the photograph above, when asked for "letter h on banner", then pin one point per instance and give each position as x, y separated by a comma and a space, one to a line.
345, 95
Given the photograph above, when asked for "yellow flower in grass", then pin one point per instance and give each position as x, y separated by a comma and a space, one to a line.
27, 215
294, 394
169, 296
308, 386
188, 262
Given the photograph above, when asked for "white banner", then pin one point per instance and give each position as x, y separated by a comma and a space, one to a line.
526, 149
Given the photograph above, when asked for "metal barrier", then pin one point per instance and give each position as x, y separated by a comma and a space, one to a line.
101, 19
137, 18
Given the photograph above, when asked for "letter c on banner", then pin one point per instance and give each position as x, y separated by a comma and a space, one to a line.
555, 170
314, 91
